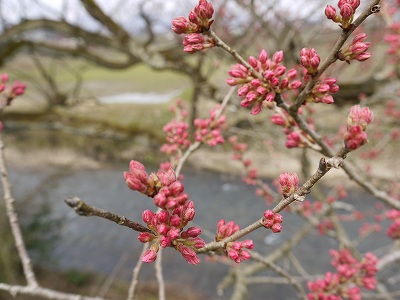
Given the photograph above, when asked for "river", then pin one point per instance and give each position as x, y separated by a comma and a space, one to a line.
97, 245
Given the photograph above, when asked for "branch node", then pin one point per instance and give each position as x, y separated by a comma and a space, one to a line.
375, 9
299, 198
322, 165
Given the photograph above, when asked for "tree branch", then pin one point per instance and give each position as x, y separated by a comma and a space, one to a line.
83, 209
14, 222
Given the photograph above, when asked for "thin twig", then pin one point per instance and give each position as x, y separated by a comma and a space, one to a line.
193, 147
83, 209
37, 291
332, 56
135, 274
256, 256
160, 277
299, 195
14, 223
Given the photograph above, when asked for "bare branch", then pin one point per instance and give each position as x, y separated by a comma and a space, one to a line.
14, 223
83, 209
16, 290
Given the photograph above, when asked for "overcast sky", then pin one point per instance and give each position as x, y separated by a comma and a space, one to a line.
127, 10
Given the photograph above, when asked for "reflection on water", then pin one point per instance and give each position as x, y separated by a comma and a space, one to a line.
140, 98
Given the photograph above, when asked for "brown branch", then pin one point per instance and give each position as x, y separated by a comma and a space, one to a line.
332, 56
299, 195
346, 166
97, 13
83, 209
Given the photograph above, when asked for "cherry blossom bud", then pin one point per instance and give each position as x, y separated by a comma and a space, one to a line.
148, 217
149, 256
163, 216
263, 56
330, 12
4, 77
253, 61
269, 214
289, 183
145, 237
276, 228
278, 57
355, 137
193, 232
189, 254
182, 25
346, 11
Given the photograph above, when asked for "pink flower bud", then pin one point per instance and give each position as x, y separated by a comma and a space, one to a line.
163, 216
253, 61
268, 214
278, 218
295, 84
256, 109
193, 232
289, 183
165, 242
355, 137
189, 255
263, 56
149, 256
199, 243
180, 25
162, 229
268, 223
174, 233
4, 78
278, 57
330, 12
248, 244
359, 38
276, 228
148, 217
346, 11
145, 237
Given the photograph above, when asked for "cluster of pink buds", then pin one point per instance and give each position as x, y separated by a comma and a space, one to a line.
296, 138
393, 39
310, 60
349, 277
167, 225
197, 23
322, 90
289, 183
208, 130
177, 137
347, 11
394, 229
10, 93
239, 149
167, 231
163, 186
176, 131
235, 250
256, 92
194, 42
357, 122
356, 50
272, 221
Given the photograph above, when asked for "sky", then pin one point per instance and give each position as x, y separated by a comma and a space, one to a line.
127, 10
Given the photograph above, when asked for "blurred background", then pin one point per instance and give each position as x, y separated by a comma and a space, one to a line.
101, 76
